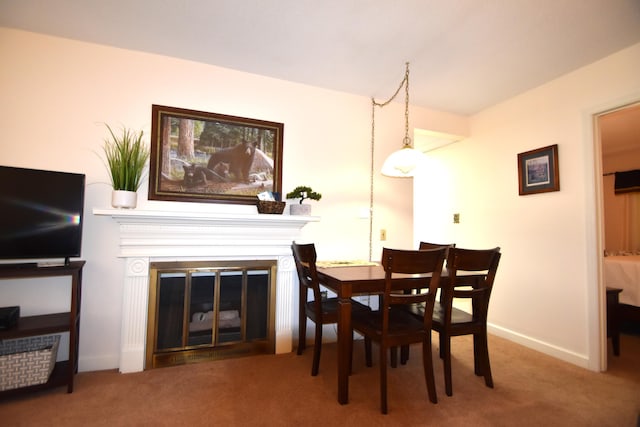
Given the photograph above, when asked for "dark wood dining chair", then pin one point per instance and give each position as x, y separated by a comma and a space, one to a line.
392, 325
321, 311
471, 273
404, 351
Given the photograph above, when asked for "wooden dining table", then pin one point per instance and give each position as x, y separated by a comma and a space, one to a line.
346, 282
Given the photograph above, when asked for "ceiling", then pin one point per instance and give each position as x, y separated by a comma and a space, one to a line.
465, 55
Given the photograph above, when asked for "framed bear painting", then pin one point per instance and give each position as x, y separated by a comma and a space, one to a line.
208, 157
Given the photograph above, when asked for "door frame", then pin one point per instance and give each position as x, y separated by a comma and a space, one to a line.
598, 295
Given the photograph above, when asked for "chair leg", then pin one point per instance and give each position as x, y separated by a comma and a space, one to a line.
383, 379
367, 351
302, 332
483, 356
394, 356
351, 353
445, 349
477, 355
404, 354
317, 348
427, 361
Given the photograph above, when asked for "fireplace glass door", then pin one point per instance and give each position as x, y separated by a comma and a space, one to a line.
203, 311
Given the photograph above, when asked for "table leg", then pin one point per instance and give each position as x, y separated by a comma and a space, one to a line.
344, 349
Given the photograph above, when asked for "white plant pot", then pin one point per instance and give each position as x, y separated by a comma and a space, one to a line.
300, 209
124, 199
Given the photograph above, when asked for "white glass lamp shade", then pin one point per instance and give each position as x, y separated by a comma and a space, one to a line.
402, 163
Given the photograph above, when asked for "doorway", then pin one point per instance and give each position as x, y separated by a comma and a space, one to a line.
618, 144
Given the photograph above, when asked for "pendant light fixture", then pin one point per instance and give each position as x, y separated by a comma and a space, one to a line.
401, 163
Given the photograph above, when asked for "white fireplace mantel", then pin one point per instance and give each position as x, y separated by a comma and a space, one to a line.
149, 235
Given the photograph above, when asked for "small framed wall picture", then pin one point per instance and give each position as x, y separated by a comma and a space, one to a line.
538, 171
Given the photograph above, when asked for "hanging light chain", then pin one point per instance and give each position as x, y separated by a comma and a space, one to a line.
406, 142
373, 133
402, 83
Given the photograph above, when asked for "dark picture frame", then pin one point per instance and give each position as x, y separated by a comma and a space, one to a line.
213, 158
538, 170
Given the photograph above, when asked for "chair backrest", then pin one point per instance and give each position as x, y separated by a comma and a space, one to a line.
429, 245
305, 256
471, 273
427, 263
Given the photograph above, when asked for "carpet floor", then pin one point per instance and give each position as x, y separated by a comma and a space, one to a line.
531, 389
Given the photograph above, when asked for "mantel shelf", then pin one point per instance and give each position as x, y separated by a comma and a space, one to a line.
137, 216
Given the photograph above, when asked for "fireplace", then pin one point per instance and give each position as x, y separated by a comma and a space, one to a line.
207, 310
148, 237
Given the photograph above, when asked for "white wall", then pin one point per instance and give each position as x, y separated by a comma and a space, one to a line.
58, 93
546, 292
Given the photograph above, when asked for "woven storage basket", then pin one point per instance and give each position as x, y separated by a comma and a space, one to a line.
27, 361
270, 207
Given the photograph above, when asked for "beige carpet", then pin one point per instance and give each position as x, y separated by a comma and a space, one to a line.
531, 389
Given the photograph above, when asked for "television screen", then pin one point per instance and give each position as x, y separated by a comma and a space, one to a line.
40, 213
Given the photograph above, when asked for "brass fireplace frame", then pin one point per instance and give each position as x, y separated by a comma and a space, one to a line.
210, 351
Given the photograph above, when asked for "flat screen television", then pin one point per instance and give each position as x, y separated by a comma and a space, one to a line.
40, 214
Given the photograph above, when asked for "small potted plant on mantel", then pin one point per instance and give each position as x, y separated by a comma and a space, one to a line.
302, 193
126, 156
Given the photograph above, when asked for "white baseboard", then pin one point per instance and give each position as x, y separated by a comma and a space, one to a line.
541, 346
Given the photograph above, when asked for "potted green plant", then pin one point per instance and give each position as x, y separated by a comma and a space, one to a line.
302, 192
126, 157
